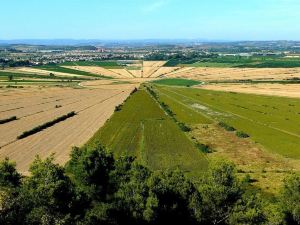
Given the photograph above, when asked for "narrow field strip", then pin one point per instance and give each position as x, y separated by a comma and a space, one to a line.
142, 129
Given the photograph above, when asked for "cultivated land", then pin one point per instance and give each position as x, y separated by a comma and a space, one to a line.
244, 98
272, 122
285, 90
35, 106
142, 129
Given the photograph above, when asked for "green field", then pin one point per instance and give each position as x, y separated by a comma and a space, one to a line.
4, 76
142, 129
271, 121
59, 69
177, 82
105, 64
238, 62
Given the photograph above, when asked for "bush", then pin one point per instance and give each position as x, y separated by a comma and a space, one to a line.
118, 108
226, 126
184, 127
203, 148
8, 120
133, 91
242, 134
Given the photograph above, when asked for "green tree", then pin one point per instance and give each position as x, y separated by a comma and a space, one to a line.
220, 191
173, 199
9, 177
47, 196
290, 199
248, 210
10, 77
131, 198
90, 168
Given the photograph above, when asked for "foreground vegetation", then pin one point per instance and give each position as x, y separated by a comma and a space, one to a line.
96, 188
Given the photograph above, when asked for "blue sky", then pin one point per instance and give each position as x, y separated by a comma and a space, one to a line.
141, 19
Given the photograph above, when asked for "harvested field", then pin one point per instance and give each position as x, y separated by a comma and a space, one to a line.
136, 73
227, 74
44, 72
163, 71
286, 90
122, 73
95, 70
34, 107
150, 67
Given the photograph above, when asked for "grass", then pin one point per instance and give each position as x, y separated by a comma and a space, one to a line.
105, 64
271, 121
184, 113
177, 82
142, 129
4, 75
240, 62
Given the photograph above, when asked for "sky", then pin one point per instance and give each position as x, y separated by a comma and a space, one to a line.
150, 19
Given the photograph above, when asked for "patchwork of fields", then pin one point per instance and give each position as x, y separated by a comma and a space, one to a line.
247, 99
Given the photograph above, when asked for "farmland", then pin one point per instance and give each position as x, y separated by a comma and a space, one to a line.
177, 82
239, 62
271, 122
175, 130
142, 129
34, 107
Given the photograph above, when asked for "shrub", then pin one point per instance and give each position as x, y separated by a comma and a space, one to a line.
242, 134
184, 127
8, 120
118, 108
226, 126
167, 109
204, 148
133, 91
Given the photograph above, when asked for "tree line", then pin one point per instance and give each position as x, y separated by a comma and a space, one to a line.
94, 187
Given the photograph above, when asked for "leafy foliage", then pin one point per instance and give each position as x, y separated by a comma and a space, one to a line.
96, 188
